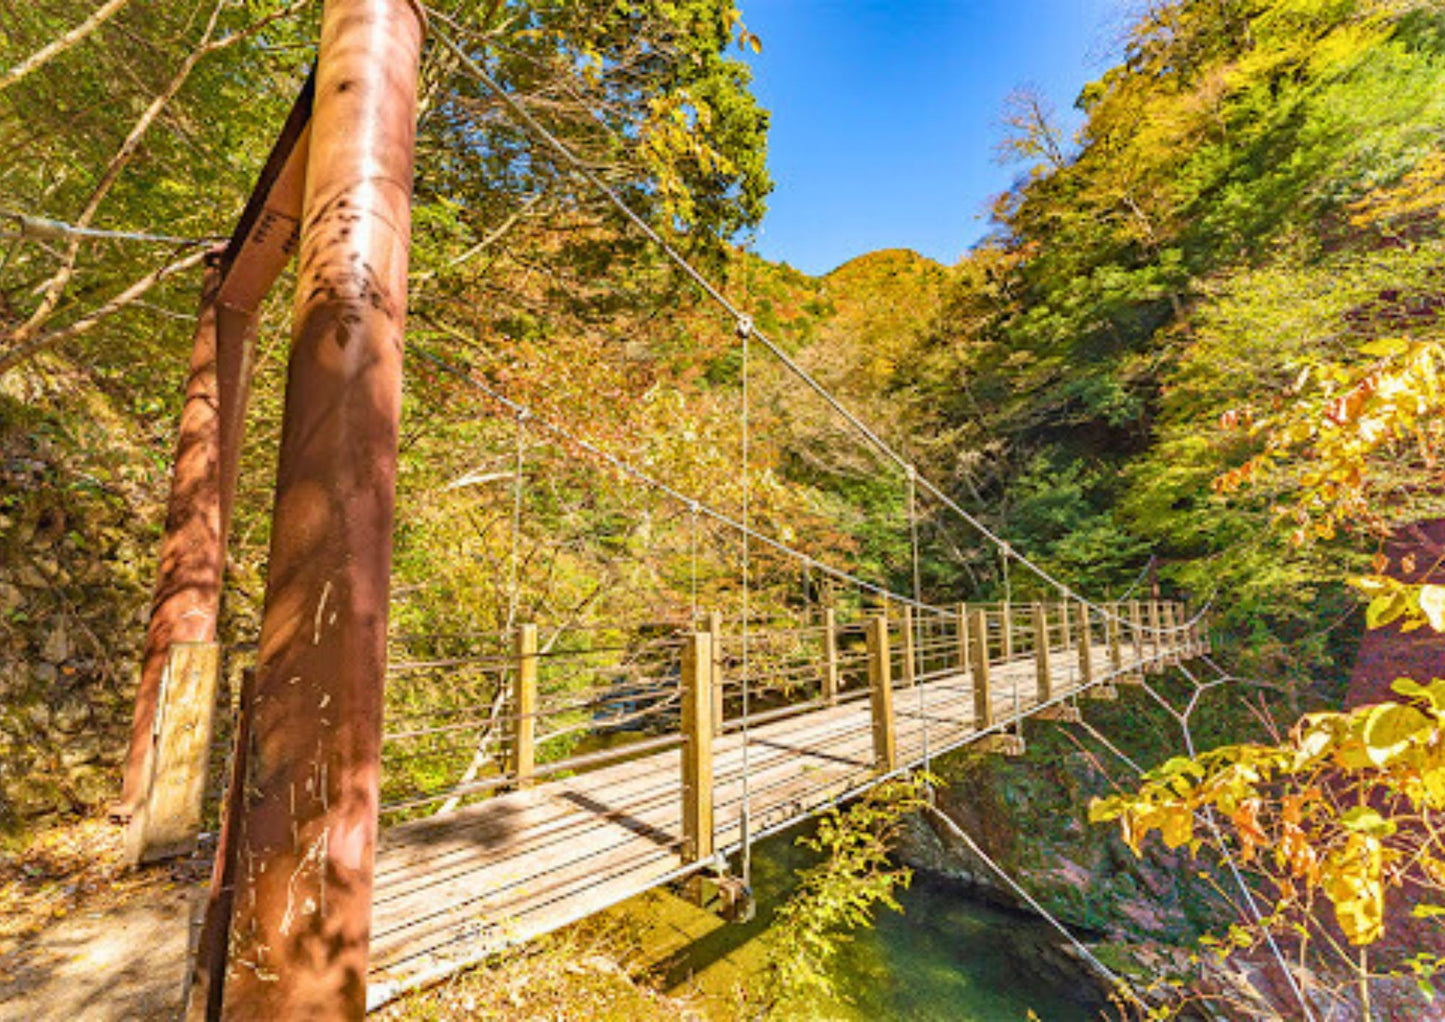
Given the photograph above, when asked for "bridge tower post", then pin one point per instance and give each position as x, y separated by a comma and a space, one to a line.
982, 690
187, 595
698, 658
1066, 637
830, 656
306, 836
880, 680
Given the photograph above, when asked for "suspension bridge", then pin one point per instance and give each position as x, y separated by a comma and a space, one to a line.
398, 807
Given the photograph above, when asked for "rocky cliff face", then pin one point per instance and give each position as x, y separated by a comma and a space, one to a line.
76, 494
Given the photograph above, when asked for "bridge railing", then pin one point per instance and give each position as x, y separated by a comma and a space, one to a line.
470, 716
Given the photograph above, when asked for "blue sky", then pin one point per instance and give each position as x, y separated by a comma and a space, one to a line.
885, 114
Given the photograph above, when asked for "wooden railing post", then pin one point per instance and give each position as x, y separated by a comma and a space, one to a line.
697, 731
524, 705
1155, 639
1086, 643
830, 656
982, 695
880, 678
714, 627
1006, 627
910, 651
1116, 648
1041, 653
1136, 638
1171, 631
167, 821
963, 654
1066, 638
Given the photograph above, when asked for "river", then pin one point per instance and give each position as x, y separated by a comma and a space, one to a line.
947, 957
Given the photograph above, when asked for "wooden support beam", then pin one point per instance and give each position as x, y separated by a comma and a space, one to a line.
697, 760
1086, 642
1171, 634
880, 680
830, 657
1103, 693
167, 823
982, 692
1042, 663
522, 749
910, 652
1006, 631
713, 625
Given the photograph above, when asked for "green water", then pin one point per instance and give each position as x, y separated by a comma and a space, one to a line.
947, 957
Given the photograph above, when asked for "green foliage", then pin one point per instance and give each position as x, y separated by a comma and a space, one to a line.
838, 895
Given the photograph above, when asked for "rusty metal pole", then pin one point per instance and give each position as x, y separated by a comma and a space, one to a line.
307, 835
188, 583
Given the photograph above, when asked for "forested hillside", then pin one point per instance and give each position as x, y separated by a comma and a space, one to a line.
1253, 199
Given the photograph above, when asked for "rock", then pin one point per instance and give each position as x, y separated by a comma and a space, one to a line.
56, 648
45, 674
11, 599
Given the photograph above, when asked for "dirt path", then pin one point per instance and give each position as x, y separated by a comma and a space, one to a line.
123, 962
84, 938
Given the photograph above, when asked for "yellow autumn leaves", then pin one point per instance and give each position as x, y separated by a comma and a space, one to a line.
1342, 809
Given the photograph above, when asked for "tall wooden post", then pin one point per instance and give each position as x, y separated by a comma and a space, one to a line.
307, 836
982, 691
830, 656
1171, 632
880, 680
697, 730
713, 625
523, 747
1042, 662
1086, 644
910, 652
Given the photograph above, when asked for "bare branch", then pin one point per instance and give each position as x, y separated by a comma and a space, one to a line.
51, 50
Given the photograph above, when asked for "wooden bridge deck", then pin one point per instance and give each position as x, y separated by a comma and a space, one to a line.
452, 889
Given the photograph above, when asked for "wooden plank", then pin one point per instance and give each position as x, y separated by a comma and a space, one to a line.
168, 822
